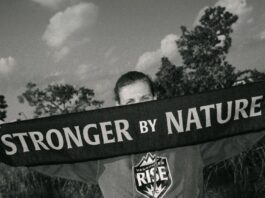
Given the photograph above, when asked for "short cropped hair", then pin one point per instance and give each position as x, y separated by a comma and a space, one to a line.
129, 78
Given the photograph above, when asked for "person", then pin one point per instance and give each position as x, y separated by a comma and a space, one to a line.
170, 173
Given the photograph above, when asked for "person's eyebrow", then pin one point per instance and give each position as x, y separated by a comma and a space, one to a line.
147, 96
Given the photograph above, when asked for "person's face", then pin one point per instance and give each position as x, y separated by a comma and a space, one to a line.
139, 91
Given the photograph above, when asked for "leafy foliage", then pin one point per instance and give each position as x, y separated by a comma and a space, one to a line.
59, 99
20, 182
3, 106
170, 80
203, 51
249, 75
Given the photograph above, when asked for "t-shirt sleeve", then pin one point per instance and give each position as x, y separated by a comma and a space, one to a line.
86, 172
216, 151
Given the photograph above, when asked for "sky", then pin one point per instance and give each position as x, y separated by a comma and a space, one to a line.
91, 43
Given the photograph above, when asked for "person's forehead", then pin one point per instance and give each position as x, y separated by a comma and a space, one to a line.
137, 87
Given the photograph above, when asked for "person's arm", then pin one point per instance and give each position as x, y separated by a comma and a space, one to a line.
216, 151
86, 172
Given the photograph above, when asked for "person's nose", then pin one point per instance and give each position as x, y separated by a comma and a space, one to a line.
137, 100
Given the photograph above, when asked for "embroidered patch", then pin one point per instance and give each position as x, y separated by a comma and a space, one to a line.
152, 176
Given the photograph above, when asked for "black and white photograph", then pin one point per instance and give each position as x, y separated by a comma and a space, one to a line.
132, 99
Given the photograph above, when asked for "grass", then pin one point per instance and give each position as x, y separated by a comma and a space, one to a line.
21, 182
242, 176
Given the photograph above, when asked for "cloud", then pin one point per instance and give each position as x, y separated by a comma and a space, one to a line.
64, 24
61, 53
103, 86
262, 35
83, 70
168, 48
109, 52
201, 12
58, 81
55, 77
113, 60
49, 3
238, 7
7, 65
54, 74
110, 57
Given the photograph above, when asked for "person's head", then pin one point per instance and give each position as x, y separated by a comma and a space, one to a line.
134, 87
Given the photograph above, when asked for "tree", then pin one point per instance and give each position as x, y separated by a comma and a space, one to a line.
58, 99
204, 51
3, 106
250, 75
170, 81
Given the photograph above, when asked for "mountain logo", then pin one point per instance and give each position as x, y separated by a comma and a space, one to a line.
152, 176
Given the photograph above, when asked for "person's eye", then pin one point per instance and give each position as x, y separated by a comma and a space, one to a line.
130, 102
147, 98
